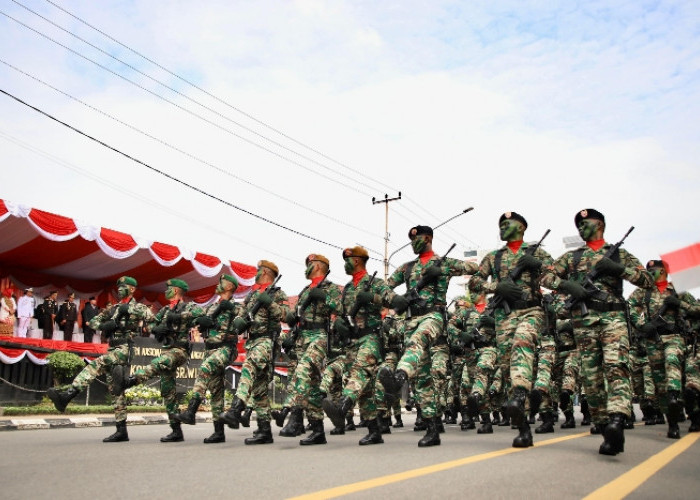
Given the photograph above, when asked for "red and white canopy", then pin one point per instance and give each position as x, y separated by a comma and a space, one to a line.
48, 251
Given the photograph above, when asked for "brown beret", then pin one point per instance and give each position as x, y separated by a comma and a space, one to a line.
317, 257
357, 251
270, 265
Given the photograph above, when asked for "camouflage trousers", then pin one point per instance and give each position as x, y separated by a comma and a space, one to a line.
166, 366
468, 376
642, 377
498, 389
309, 371
500, 385
212, 376
255, 377
604, 348
546, 357
103, 366
565, 374
692, 370
454, 384
422, 332
666, 361
361, 362
291, 376
483, 372
332, 379
391, 359
439, 368
523, 327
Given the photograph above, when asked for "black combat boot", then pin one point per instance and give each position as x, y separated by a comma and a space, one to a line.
585, 411
598, 428
547, 425
694, 421
337, 431
432, 436
524, 437
244, 417
451, 414
232, 416
337, 412
439, 424
175, 436
648, 414
280, 415
614, 435
496, 418
218, 436
660, 420
264, 435
564, 400
120, 435
467, 424
505, 421
350, 422
189, 415
374, 436
384, 423
516, 406
691, 397
675, 406
362, 423
392, 382
399, 423
674, 431
486, 427
61, 399
294, 424
317, 436
629, 423
420, 424
569, 421
473, 403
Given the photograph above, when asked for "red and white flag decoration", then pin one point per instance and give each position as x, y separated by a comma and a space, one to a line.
684, 267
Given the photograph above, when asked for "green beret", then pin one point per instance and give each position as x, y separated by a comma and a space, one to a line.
127, 280
178, 283
230, 278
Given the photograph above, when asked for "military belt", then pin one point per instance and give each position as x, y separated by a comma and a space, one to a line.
117, 342
361, 332
318, 325
254, 336
216, 344
417, 310
484, 343
566, 348
523, 304
600, 306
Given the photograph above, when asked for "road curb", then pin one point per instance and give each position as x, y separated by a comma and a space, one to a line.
79, 421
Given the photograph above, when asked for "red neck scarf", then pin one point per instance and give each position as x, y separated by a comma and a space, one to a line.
595, 245
261, 286
426, 256
356, 277
125, 300
480, 306
315, 281
173, 303
514, 245
662, 285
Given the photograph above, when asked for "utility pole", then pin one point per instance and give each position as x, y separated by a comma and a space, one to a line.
386, 201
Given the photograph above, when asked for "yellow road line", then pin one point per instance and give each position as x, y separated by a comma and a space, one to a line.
633, 478
424, 471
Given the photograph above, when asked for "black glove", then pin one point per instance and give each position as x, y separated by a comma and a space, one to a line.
240, 325
108, 327
123, 310
574, 289
486, 321
456, 350
363, 298
288, 343
226, 305
530, 262
173, 317
291, 319
204, 323
399, 304
431, 273
388, 324
607, 267
641, 350
341, 328
509, 291
649, 330
466, 338
565, 327
317, 295
264, 299
160, 332
672, 302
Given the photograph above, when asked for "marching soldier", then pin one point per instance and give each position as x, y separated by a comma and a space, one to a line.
602, 335
216, 326
265, 307
360, 324
517, 331
172, 327
317, 302
120, 324
426, 280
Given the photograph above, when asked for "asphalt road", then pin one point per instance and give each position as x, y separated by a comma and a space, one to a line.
74, 463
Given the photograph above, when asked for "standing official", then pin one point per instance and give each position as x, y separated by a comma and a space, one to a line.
89, 311
25, 312
67, 316
49, 310
602, 335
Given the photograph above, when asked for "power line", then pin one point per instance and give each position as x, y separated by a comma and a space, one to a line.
189, 155
171, 177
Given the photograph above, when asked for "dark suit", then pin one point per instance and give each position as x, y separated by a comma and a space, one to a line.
67, 316
89, 312
50, 310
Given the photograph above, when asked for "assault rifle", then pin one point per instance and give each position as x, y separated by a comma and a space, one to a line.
350, 318
413, 296
250, 316
592, 290
496, 300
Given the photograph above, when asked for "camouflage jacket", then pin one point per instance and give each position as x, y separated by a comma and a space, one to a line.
130, 326
370, 315
267, 321
461, 325
179, 330
529, 282
435, 293
645, 304
316, 313
222, 331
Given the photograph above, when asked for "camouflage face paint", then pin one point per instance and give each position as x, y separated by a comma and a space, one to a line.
219, 288
309, 269
657, 273
259, 274
123, 291
587, 228
418, 244
509, 230
349, 265
170, 293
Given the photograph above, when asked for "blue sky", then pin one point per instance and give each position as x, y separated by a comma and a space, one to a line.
539, 107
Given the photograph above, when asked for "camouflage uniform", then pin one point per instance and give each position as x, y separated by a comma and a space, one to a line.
174, 353
692, 377
602, 336
393, 342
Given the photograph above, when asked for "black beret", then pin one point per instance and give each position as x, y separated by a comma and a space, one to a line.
657, 263
588, 213
513, 216
418, 230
